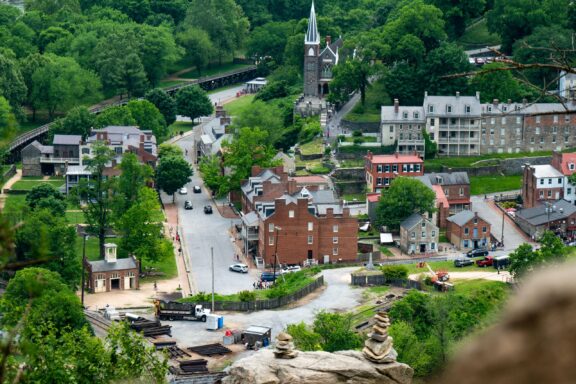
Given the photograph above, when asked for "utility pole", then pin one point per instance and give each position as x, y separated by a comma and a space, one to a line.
83, 266
276, 251
212, 258
503, 214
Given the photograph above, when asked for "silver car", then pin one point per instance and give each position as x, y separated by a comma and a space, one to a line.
241, 268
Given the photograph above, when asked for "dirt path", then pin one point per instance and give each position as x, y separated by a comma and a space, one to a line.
8, 185
490, 274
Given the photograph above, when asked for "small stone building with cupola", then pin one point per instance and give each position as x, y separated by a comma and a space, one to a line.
112, 274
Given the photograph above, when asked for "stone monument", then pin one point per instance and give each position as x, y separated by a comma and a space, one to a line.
284, 347
378, 348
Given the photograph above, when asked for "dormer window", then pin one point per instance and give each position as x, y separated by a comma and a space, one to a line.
416, 115
404, 115
430, 108
571, 166
504, 109
448, 109
489, 108
467, 109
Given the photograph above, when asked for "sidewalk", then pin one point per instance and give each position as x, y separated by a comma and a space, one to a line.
17, 176
171, 228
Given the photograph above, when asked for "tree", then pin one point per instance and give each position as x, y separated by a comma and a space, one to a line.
430, 147
447, 59
552, 249
353, 75
7, 120
62, 84
28, 66
261, 115
270, 40
148, 118
141, 229
8, 14
193, 102
78, 121
165, 104
41, 192
133, 178
172, 174
499, 85
249, 148
304, 338
96, 192
169, 150
523, 260
114, 116
458, 14
50, 7
12, 86
336, 332
404, 197
198, 47
211, 169
158, 50
411, 350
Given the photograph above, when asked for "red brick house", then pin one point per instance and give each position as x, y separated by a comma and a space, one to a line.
541, 183
111, 273
467, 230
295, 223
382, 169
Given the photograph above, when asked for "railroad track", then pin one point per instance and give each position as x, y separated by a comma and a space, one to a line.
97, 321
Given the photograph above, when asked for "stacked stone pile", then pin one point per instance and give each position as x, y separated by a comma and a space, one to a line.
378, 347
284, 347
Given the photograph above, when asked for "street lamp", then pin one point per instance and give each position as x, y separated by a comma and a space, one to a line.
85, 235
549, 208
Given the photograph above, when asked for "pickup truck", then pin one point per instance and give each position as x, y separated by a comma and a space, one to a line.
485, 262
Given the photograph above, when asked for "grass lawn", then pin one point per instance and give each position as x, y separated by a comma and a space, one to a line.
226, 67
75, 217
480, 185
312, 148
180, 126
385, 251
354, 197
235, 107
92, 246
352, 163
14, 207
376, 97
166, 266
27, 185
477, 36
466, 287
443, 265
365, 139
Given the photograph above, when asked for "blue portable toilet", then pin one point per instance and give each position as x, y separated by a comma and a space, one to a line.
220, 322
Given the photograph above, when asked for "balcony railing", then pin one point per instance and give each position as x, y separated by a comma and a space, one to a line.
69, 160
459, 140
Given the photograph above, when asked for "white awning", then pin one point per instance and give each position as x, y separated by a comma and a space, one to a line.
386, 238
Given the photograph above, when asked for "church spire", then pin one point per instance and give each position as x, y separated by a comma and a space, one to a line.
312, 36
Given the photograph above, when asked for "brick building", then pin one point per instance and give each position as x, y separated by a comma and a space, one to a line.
558, 216
418, 235
382, 169
467, 230
541, 183
294, 222
112, 273
566, 164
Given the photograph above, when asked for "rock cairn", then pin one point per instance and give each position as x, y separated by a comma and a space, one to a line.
378, 347
284, 347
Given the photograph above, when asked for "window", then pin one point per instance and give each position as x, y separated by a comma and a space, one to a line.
549, 193
492, 121
541, 181
432, 246
405, 115
404, 168
568, 191
310, 239
483, 229
335, 251
489, 108
431, 109
542, 140
446, 192
518, 119
335, 240
531, 140
335, 228
554, 129
433, 233
502, 141
467, 108
271, 227
461, 191
391, 129
466, 243
466, 231
518, 131
549, 181
423, 224
291, 214
270, 240
448, 109
475, 220
541, 194
502, 131
491, 131
555, 118
386, 181
538, 119
386, 168
423, 233
416, 167
567, 118
118, 150
379, 181
413, 235
310, 227
395, 168
503, 120
85, 151
537, 130
416, 115
504, 109
571, 166
379, 168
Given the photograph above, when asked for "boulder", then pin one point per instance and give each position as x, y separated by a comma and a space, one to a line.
316, 368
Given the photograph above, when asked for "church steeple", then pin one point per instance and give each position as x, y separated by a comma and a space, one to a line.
312, 36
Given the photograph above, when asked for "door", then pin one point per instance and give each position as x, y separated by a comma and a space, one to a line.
310, 255
423, 248
475, 244
127, 284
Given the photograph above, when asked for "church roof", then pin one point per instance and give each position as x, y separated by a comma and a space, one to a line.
312, 35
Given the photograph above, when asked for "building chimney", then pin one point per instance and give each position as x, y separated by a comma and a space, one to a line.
449, 170
495, 101
478, 95
328, 40
396, 105
396, 154
524, 101
425, 93
457, 94
509, 101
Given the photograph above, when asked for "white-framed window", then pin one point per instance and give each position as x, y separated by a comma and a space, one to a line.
541, 194
433, 233
489, 108
416, 115
432, 246
379, 168
549, 193
518, 119
395, 168
461, 191
310, 226
549, 181
310, 239
335, 251
404, 168
386, 181
446, 192
335, 228
423, 224
492, 120
475, 221
537, 130
504, 109
291, 214
537, 119
413, 235
379, 181
423, 233
532, 140
416, 167
541, 181
466, 231
448, 108
85, 151
542, 140
571, 166
484, 229
466, 243
391, 129
432, 122
555, 118
431, 109
386, 168
502, 141
559, 180
554, 129
270, 240
271, 227
404, 115
467, 109
503, 120
335, 240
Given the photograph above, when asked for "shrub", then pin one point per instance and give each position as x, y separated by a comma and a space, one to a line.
395, 272
357, 134
247, 296
358, 140
319, 170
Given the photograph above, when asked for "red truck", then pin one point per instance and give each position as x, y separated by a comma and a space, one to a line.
488, 261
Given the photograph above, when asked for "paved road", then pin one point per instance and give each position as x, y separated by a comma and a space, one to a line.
200, 233
513, 236
333, 127
338, 295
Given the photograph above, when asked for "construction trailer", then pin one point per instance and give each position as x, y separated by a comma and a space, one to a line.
256, 336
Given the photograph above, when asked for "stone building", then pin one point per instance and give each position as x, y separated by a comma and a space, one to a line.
418, 235
382, 169
318, 62
40, 160
212, 134
467, 230
403, 126
112, 273
297, 223
558, 216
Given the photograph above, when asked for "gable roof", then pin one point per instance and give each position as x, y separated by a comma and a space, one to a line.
539, 215
462, 217
545, 170
448, 178
119, 265
67, 140
411, 221
567, 158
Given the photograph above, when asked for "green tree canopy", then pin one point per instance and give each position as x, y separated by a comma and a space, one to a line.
133, 178
211, 169
172, 174
265, 116
165, 104
499, 84
168, 150
148, 118
78, 121
404, 197
353, 75
115, 116
7, 121
193, 102
198, 47
41, 192
12, 86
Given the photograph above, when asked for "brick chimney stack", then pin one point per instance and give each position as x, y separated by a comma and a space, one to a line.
396, 105
328, 40
495, 101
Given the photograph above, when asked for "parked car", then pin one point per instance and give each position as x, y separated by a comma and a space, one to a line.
485, 262
269, 276
463, 262
291, 268
208, 209
197, 189
501, 262
187, 204
241, 268
183, 191
477, 252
